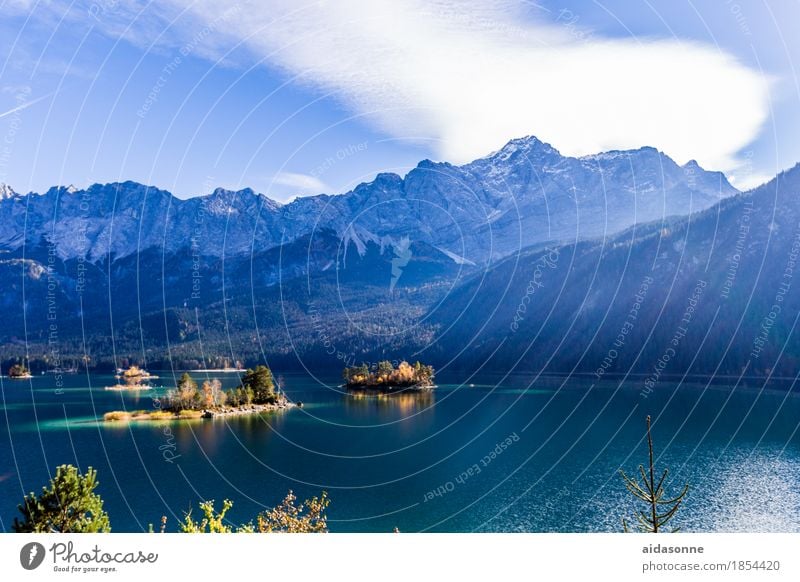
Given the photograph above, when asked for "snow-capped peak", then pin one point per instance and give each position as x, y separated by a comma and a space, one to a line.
527, 145
6, 192
488, 207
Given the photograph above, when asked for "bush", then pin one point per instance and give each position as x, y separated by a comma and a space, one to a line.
240, 396
212, 522
233, 398
69, 505
308, 517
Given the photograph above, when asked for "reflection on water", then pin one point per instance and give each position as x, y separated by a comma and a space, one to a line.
749, 492
405, 403
379, 455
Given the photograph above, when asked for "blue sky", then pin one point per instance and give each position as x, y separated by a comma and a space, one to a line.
292, 98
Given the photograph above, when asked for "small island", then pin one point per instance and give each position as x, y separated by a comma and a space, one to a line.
19, 372
385, 377
256, 393
134, 378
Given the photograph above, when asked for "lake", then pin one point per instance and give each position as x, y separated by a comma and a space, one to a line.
476, 454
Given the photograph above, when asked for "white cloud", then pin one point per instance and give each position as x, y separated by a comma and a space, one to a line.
285, 186
748, 181
301, 182
469, 75
23, 106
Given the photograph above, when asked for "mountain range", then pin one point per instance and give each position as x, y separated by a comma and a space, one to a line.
524, 194
711, 293
523, 259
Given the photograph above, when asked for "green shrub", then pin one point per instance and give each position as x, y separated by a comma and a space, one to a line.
68, 505
308, 517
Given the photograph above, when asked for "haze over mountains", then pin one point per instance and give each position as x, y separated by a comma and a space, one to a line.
435, 265
523, 194
715, 292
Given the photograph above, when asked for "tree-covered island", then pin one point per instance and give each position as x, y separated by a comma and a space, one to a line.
134, 378
386, 377
256, 393
19, 371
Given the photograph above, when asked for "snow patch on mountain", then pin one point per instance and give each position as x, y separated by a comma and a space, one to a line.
6, 192
457, 259
525, 193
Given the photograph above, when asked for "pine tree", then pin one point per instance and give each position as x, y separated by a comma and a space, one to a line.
259, 380
659, 510
69, 505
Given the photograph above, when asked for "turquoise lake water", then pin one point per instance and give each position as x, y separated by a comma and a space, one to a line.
478, 454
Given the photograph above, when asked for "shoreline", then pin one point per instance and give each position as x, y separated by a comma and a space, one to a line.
215, 370
386, 388
206, 414
125, 388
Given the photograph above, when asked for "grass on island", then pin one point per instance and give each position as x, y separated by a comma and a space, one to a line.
129, 387
124, 415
